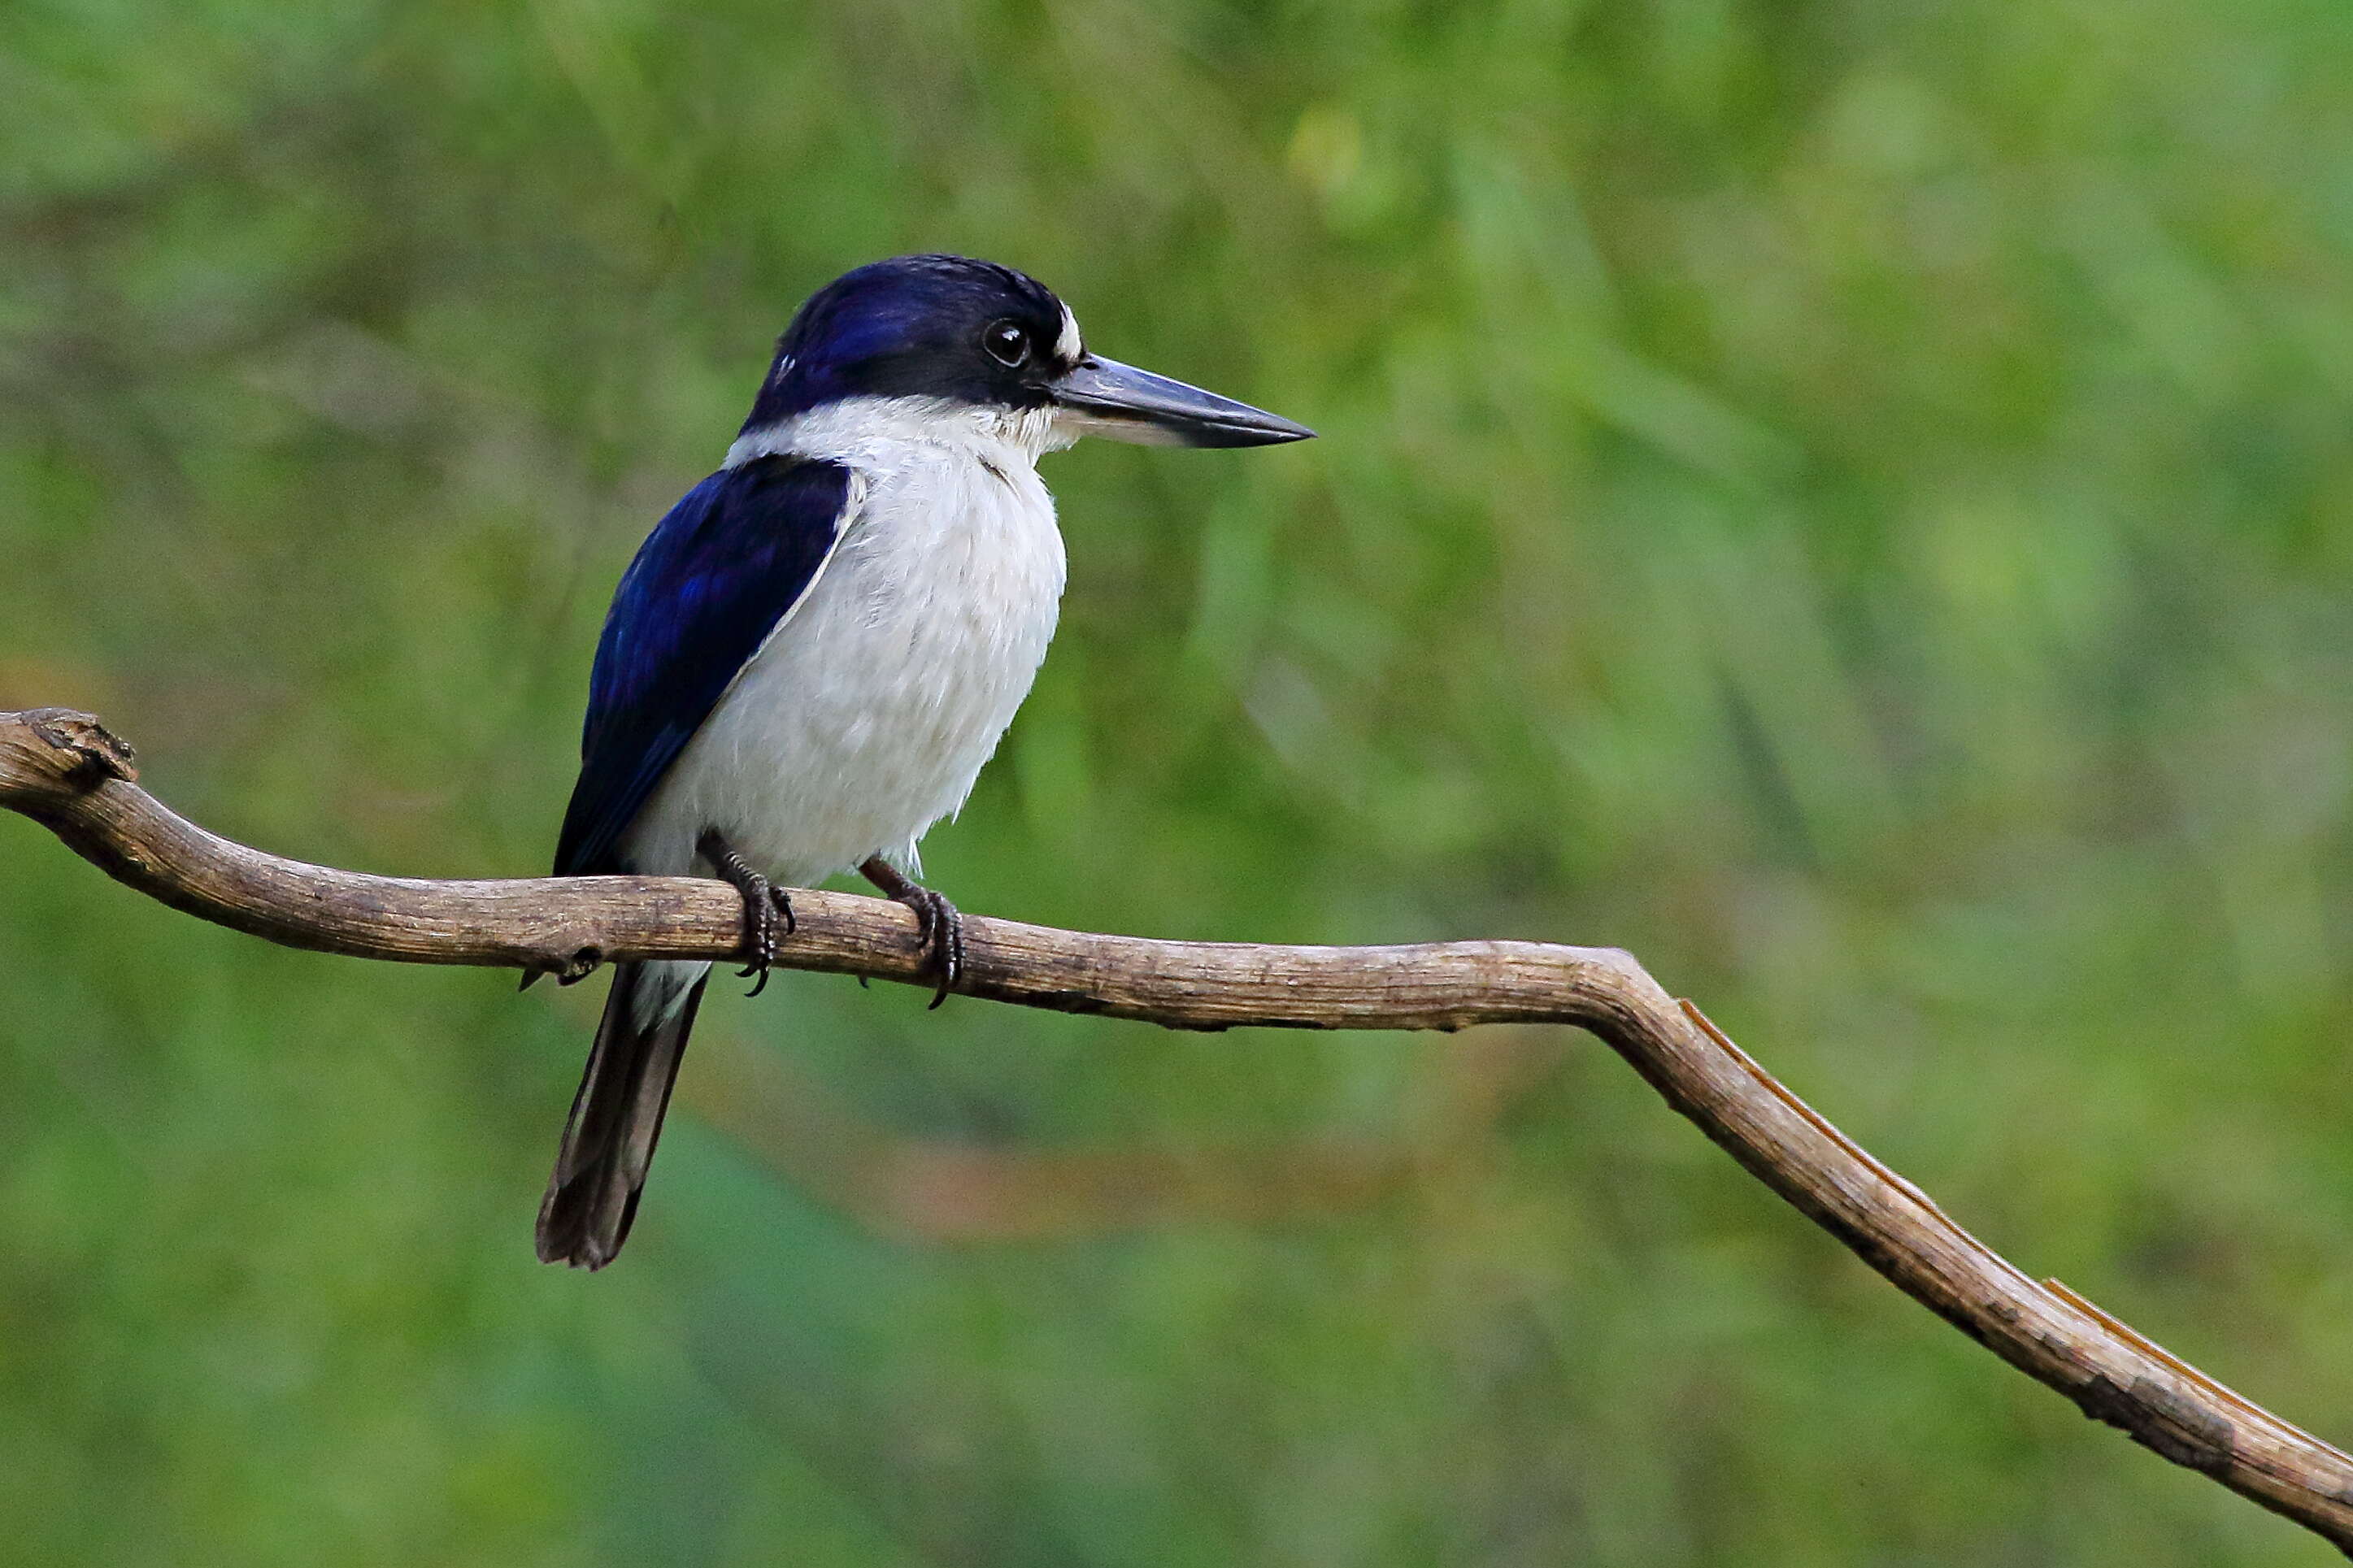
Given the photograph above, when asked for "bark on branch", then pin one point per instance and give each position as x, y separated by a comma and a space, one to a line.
65, 771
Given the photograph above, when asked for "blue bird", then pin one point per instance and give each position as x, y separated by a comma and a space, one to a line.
814, 652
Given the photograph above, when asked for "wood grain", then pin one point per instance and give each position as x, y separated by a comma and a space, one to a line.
64, 770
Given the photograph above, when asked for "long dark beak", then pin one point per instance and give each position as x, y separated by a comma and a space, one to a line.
1105, 398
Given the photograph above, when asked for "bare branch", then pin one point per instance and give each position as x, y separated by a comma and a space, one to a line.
65, 771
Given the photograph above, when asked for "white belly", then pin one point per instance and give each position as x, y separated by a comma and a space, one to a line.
869, 713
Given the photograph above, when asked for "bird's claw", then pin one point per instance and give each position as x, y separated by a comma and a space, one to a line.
763, 903
763, 954
759, 933
940, 928
762, 913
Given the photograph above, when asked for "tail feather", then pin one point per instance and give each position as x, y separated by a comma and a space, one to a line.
617, 1116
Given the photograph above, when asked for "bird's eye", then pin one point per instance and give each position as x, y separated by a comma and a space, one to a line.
1006, 344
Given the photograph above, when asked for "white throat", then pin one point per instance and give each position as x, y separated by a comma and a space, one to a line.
865, 428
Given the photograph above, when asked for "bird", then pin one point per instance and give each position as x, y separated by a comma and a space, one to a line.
814, 653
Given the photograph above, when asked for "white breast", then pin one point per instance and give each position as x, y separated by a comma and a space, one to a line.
869, 713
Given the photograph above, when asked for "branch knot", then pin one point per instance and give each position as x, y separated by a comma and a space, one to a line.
83, 753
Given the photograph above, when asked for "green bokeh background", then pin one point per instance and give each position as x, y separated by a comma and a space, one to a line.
1848, 500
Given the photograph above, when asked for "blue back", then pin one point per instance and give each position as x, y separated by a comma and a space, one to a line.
707, 588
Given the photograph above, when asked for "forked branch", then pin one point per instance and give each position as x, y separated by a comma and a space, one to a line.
65, 771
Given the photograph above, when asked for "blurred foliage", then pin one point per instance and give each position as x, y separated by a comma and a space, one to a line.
1849, 501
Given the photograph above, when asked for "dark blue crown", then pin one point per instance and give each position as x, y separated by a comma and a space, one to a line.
913, 326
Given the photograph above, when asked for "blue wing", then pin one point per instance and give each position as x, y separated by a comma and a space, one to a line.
708, 585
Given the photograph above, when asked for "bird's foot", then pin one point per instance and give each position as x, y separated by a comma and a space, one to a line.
938, 927
765, 906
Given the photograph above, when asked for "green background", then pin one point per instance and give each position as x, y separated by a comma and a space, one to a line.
1848, 500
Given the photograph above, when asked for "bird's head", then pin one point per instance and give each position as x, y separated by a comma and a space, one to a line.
979, 336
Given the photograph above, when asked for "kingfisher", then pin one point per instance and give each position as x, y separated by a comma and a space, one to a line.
813, 654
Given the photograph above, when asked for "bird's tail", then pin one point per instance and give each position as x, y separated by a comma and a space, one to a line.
618, 1115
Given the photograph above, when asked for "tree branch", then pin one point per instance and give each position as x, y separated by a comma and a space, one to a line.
65, 772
